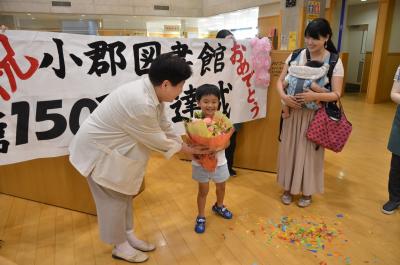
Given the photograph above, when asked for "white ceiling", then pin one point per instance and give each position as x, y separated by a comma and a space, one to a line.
359, 2
228, 20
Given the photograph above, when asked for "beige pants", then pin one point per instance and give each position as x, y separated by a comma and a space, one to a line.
114, 213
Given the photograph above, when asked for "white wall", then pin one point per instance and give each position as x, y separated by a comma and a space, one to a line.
269, 10
214, 7
394, 44
364, 14
113, 7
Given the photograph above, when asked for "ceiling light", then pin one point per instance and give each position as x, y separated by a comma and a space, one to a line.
28, 14
83, 15
363, 0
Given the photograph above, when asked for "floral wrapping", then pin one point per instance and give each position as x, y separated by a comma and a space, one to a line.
211, 132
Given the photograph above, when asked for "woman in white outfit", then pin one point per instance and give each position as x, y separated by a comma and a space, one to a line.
112, 148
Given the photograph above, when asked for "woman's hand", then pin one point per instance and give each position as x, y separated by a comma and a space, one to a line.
195, 149
307, 96
291, 102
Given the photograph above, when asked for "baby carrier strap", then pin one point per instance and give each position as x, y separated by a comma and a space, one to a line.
333, 59
295, 55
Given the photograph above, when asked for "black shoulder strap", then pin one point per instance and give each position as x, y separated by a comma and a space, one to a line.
295, 53
333, 59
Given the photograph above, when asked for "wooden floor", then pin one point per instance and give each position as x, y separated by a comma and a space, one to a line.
355, 189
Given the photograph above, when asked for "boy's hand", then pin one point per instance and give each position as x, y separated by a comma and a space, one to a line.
195, 158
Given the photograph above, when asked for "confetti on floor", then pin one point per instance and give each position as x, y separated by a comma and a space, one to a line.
311, 234
320, 236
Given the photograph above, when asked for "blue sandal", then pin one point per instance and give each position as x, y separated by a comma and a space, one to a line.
222, 211
200, 226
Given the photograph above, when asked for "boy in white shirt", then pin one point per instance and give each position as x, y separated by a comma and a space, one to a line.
208, 98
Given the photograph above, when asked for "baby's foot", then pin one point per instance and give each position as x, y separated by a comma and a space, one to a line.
285, 115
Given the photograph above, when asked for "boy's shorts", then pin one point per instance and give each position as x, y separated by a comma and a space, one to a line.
201, 175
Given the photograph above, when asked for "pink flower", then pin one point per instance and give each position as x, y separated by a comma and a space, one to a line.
208, 121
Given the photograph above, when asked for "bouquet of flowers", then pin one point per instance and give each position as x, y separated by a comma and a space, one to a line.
211, 132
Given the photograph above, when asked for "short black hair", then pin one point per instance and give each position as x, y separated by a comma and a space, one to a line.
171, 67
314, 64
223, 33
207, 89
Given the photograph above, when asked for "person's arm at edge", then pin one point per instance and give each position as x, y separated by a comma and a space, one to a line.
395, 94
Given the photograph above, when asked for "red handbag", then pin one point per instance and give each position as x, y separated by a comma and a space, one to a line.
330, 128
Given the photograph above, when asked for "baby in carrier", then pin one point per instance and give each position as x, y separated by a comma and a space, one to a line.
301, 77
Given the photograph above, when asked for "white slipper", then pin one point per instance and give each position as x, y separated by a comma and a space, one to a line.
141, 245
136, 256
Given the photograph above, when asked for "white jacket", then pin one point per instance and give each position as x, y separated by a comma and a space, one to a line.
113, 142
